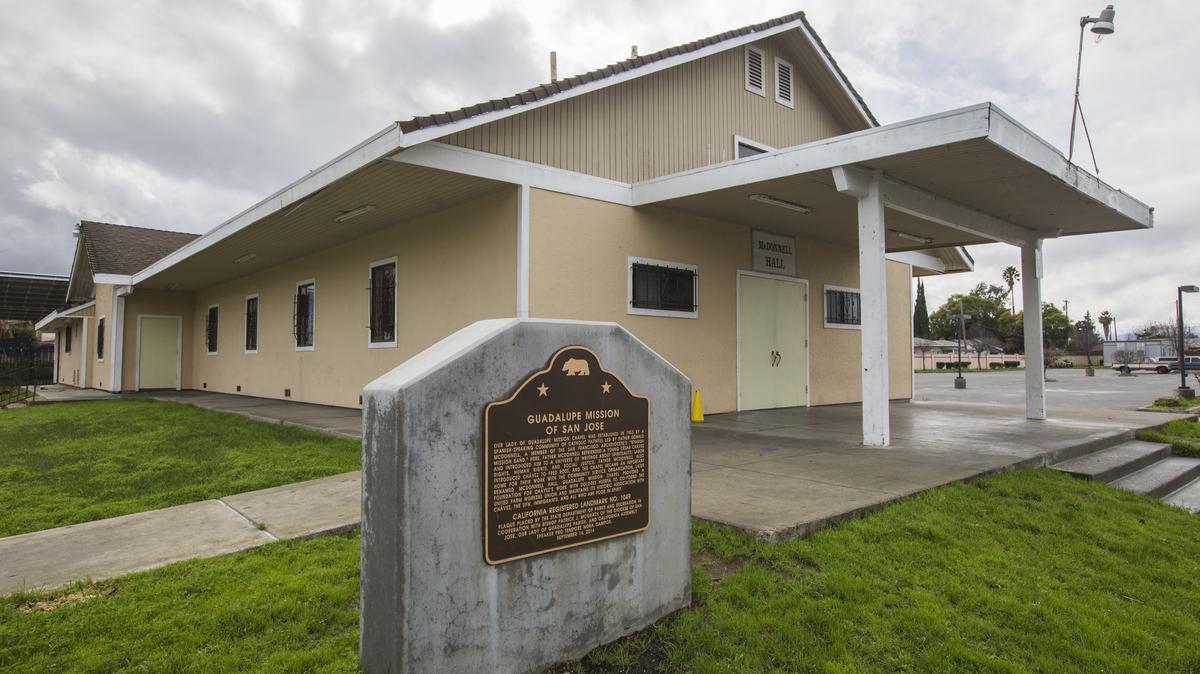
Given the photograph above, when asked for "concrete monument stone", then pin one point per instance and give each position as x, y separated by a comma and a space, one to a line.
526, 498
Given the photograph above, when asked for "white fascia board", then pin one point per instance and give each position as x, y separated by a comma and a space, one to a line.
909, 136
916, 258
46, 320
1008, 134
81, 307
812, 43
430, 133
374, 148
112, 279
515, 171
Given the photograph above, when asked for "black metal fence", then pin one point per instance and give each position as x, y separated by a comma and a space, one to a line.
24, 364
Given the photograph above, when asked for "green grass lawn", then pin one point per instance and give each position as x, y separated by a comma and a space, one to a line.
1172, 404
1029, 570
1182, 434
75, 462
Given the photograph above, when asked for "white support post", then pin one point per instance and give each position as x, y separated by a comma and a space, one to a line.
872, 279
1031, 296
522, 251
117, 348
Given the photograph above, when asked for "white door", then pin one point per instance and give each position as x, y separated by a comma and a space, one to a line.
158, 352
772, 342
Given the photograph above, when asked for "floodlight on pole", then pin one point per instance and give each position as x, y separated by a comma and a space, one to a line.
1101, 26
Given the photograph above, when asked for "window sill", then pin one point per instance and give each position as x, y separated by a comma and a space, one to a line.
250, 352
843, 326
662, 313
381, 345
212, 353
306, 348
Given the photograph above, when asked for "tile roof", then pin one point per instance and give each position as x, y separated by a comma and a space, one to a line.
121, 249
543, 91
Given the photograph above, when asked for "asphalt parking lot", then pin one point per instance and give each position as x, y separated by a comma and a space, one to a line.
1070, 388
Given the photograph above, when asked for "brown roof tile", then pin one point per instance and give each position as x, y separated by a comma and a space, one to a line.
543, 91
120, 249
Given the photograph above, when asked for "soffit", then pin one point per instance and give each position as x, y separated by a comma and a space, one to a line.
399, 192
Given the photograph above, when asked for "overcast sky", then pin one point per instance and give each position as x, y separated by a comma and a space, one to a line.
178, 115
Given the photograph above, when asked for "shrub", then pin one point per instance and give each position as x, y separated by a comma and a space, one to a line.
940, 365
1012, 363
996, 366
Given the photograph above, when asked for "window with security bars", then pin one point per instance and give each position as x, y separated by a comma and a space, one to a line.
252, 324
383, 303
100, 339
305, 310
210, 330
663, 288
67, 334
842, 307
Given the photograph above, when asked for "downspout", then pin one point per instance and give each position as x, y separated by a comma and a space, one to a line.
117, 360
522, 251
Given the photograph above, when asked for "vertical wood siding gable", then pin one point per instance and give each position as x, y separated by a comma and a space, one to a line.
670, 121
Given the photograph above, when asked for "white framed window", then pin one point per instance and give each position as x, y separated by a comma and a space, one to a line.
252, 323
100, 339
756, 70
210, 328
304, 315
785, 81
381, 304
843, 307
661, 288
744, 147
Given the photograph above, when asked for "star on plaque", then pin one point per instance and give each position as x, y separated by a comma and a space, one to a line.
543, 390
605, 387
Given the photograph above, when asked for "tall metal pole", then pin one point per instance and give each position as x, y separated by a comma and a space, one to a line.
1179, 328
1075, 105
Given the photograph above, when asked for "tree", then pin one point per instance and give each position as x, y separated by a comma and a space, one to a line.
1011, 276
921, 314
1106, 321
992, 292
1084, 338
1056, 327
982, 343
1165, 330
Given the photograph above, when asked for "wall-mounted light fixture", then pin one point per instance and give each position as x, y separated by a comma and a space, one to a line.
912, 237
790, 205
245, 258
343, 216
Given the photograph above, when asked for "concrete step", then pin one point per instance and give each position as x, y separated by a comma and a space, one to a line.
1187, 497
1115, 462
1162, 478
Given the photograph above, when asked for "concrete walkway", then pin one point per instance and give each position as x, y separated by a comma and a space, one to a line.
147, 540
340, 421
775, 473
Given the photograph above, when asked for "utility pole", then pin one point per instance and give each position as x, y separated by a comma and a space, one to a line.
1067, 309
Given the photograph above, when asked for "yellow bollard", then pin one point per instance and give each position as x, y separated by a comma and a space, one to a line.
697, 408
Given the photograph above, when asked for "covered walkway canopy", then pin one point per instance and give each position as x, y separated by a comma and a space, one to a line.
967, 176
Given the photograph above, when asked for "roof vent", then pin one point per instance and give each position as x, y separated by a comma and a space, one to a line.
783, 83
756, 76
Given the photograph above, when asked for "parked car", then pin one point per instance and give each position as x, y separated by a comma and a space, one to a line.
1189, 362
1161, 365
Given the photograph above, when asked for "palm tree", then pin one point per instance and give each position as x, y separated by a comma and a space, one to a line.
1106, 320
1011, 276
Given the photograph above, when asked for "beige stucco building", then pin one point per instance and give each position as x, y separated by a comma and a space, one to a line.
724, 200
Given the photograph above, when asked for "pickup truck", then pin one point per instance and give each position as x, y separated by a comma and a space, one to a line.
1161, 365
1189, 362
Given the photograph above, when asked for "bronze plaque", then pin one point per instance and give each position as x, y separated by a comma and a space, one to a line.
566, 460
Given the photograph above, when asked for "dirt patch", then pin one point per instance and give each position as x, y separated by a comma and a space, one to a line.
73, 597
719, 569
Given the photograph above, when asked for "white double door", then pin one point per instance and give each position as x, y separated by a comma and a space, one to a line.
772, 342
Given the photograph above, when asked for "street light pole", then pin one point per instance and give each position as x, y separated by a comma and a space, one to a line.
1087, 328
959, 381
1184, 391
